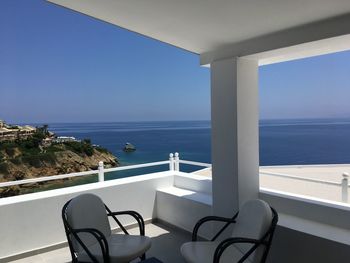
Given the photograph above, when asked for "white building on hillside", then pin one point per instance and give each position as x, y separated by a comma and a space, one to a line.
62, 139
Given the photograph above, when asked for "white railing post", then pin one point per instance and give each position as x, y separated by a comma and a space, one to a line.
101, 174
171, 162
177, 162
344, 188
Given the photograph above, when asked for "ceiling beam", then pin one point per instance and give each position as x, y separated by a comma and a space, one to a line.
259, 48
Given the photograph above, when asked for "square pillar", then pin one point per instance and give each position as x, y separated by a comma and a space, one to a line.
235, 133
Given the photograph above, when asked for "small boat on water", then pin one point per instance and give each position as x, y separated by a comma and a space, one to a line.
129, 147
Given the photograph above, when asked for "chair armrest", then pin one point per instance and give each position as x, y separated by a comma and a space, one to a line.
101, 239
135, 215
234, 240
212, 218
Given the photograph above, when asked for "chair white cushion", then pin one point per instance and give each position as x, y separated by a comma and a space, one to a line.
122, 248
253, 221
88, 211
203, 252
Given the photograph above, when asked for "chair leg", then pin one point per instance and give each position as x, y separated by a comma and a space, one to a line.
143, 257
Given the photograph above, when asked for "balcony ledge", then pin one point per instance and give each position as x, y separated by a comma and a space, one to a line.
332, 228
85, 187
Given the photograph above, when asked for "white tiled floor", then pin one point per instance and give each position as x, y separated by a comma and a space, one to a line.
166, 242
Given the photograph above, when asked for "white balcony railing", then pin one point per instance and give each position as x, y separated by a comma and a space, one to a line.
154, 195
173, 162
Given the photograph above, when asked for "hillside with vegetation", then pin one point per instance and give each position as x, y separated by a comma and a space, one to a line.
31, 158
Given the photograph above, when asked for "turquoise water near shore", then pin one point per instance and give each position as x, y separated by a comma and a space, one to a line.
282, 142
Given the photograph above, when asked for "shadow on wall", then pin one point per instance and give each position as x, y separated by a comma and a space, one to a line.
289, 246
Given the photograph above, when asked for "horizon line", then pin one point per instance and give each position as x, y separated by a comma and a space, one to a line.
150, 121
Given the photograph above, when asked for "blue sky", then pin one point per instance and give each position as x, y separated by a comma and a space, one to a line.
60, 66
317, 87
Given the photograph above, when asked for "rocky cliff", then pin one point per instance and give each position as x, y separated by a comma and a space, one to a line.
18, 162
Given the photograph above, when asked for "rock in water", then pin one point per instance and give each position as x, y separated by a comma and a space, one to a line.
129, 147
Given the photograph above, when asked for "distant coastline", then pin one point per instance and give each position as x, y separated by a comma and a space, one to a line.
43, 153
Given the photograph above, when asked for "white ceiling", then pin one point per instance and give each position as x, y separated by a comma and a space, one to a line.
206, 25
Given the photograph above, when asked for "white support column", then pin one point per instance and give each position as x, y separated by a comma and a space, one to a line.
177, 162
101, 174
171, 162
345, 188
235, 130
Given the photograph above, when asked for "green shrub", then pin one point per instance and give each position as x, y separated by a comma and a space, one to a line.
81, 147
53, 149
10, 151
33, 160
29, 144
16, 161
48, 158
89, 151
75, 147
101, 149
5, 145
4, 168
86, 141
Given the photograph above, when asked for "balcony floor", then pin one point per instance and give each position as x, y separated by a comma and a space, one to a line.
166, 242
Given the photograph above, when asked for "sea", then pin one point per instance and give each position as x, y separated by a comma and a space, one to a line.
282, 142
154, 141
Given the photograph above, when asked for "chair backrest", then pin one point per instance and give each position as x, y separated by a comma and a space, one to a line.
87, 211
253, 221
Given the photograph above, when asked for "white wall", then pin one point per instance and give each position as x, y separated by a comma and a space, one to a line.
33, 221
184, 211
309, 230
193, 182
311, 209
